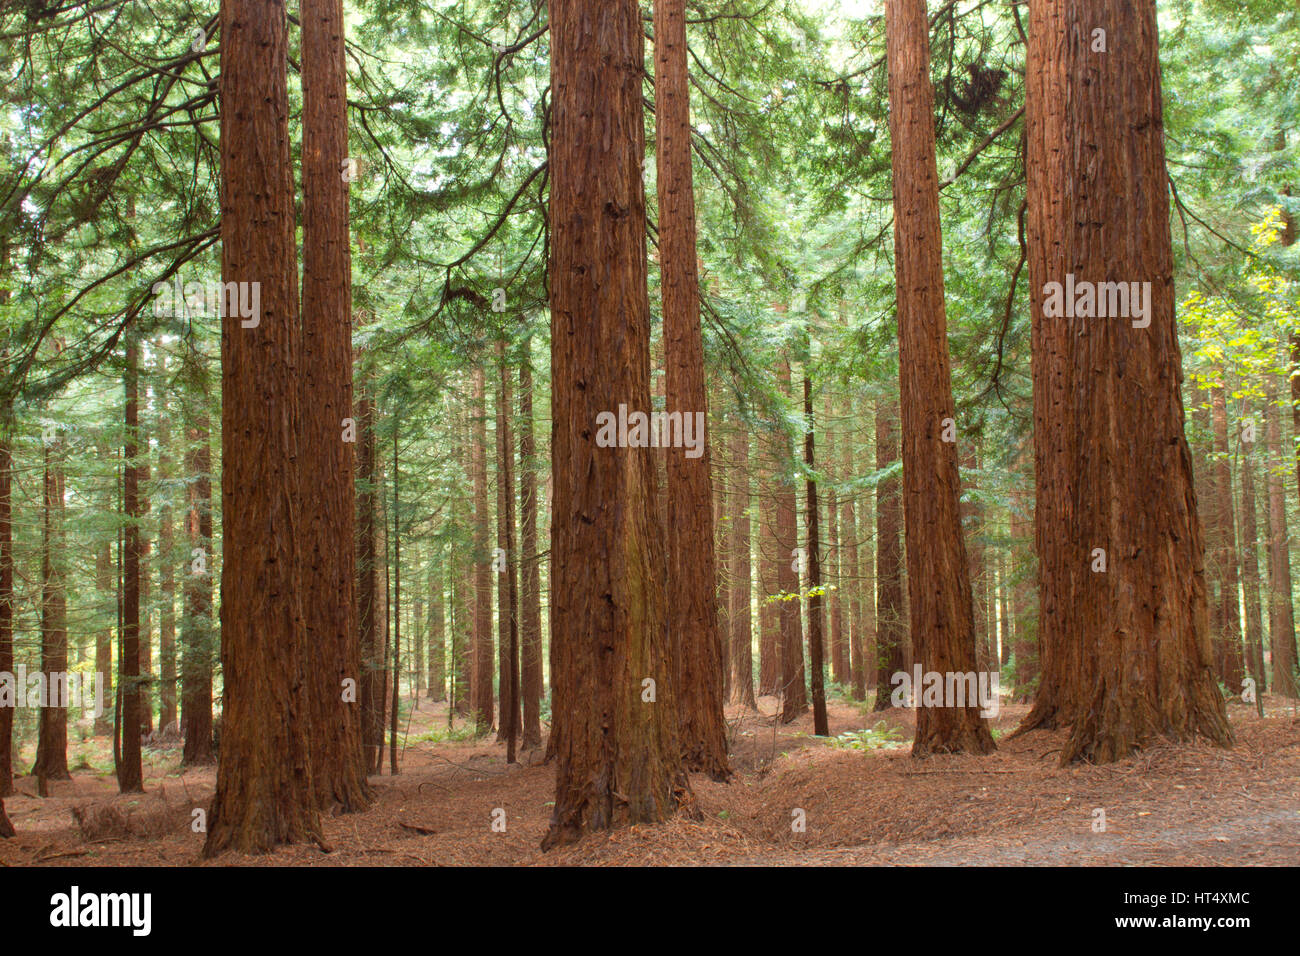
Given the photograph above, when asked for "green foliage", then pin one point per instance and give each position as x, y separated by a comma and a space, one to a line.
439, 735
880, 736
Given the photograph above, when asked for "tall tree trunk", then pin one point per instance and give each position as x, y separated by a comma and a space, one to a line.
741, 643
395, 614
507, 578
146, 584
52, 739
851, 580
386, 635
816, 611
166, 574
1281, 610
972, 516
1027, 639
530, 612
103, 640
1004, 612
199, 640
943, 629
130, 770
619, 757
692, 613
1124, 620
1250, 578
891, 624
722, 565
437, 627
264, 793
463, 580
769, 611
328, 522
6, 577
794, 692
417, 640
1060, 663
463, 643
6, 574
372, 687
482, 696
1286, 239
867, 621
1228, 608
834, 575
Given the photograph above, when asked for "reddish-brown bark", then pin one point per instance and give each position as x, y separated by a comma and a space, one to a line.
1127, 654
891, 621
130, 771
794, 687
264, 793
938, 573
530, 571
618, 754
693, 622
482, 696
325, 396
198, 636
741, 642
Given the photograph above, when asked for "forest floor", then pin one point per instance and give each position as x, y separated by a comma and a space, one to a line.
863, 799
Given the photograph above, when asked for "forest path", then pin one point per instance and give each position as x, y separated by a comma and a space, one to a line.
1270, 836
795, 800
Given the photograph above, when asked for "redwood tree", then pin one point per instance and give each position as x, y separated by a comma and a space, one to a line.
369, 610
769, 613
1227, 606
508, 576
166, 576
130, 770
6, 567
52, 740
816, 612
618, 755
197, 632
1123, 618
437, 625
692, 608
1250, 577
891, 628
530, 569
105, 586
1281, 607
481, 691
943, 627
794, 688
741, 645
325, 396
6, 570
264, 793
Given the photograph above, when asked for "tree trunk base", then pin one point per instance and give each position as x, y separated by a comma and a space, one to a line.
1112, 728
951, 731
